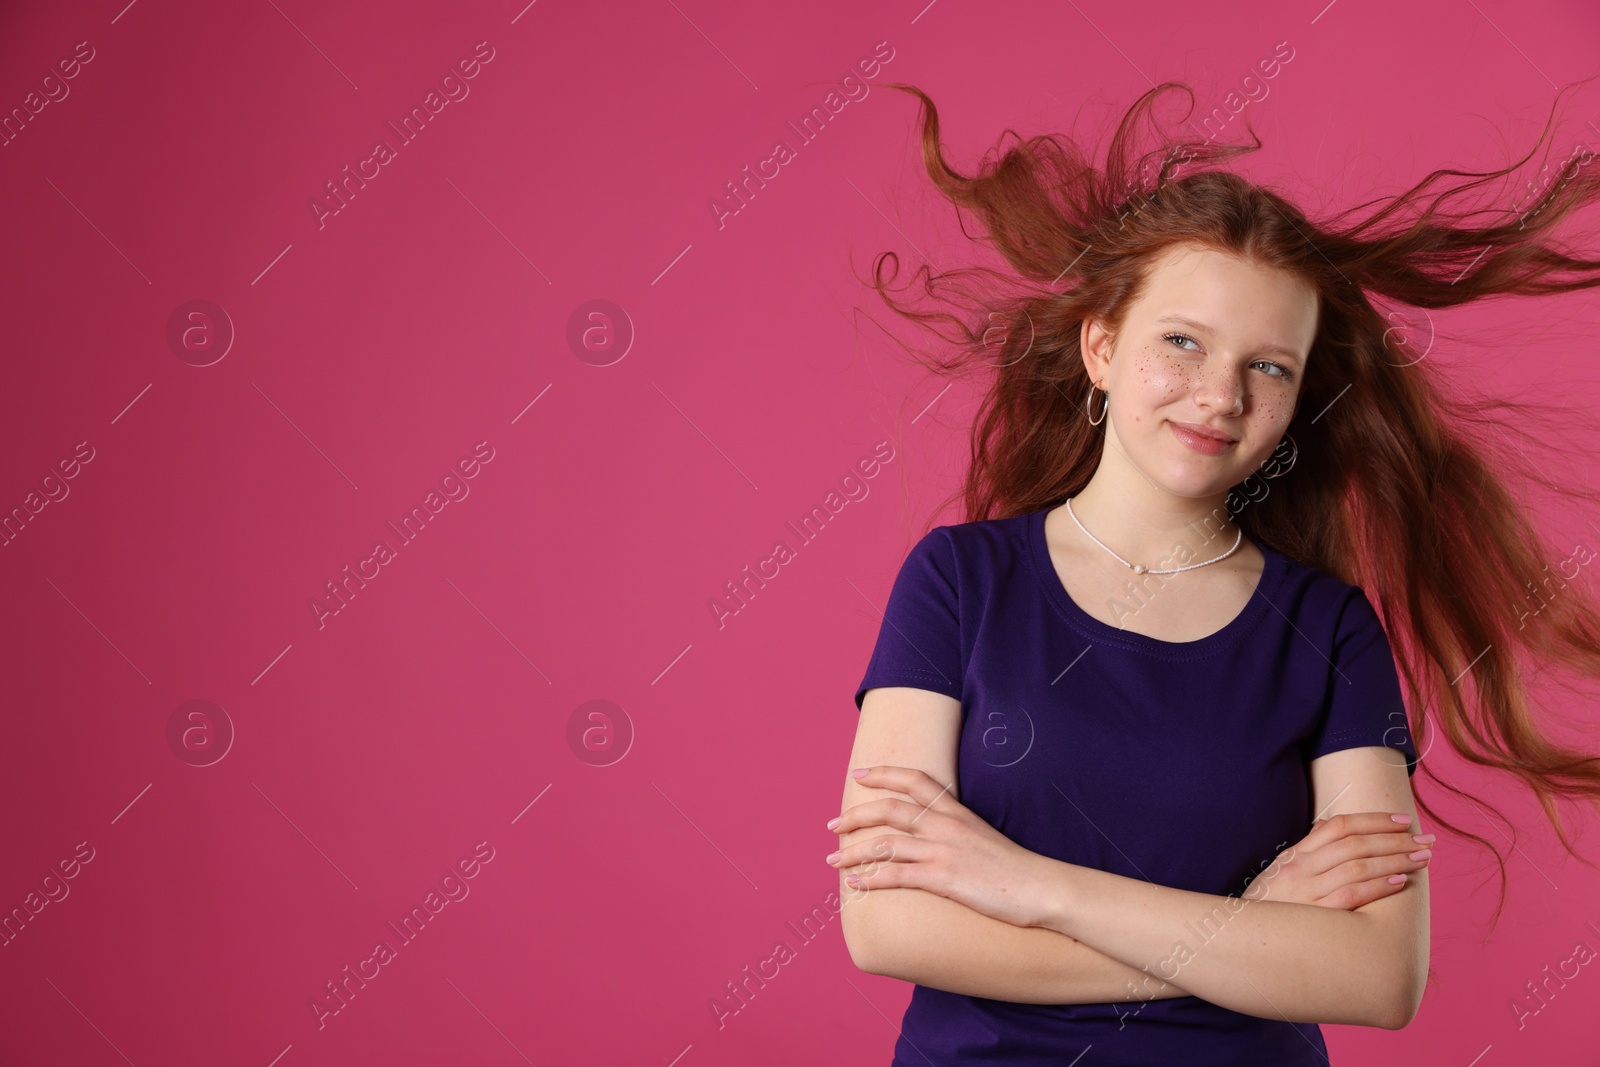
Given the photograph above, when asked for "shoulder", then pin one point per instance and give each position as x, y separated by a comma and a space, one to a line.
1318, 601
967, 562
980, 542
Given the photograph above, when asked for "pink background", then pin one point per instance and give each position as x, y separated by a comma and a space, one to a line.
436, 709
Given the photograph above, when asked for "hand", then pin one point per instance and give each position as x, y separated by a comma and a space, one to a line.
950, 851
1344, 862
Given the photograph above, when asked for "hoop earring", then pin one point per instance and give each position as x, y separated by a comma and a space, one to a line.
1280, 468
1104, 408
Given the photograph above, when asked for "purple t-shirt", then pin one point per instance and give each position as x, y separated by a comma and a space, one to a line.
1185, 764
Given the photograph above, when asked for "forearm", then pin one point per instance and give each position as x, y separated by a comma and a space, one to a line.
921, 937
1268, 958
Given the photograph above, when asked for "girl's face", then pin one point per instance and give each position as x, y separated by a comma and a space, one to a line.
1213, 344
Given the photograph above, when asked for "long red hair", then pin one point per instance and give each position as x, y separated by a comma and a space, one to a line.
1400, 483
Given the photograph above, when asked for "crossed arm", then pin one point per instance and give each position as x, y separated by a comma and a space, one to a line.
921, 937
1115, 939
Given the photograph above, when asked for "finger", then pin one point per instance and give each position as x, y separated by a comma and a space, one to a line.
918, 784
1387, 844
1367, 868
1350, 897
886, 874
865, 807
1352, 822
890, 848
1334, 851
885, 811
1362, 822
1332, 886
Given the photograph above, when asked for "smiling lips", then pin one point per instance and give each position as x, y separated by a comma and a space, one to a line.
1202, 439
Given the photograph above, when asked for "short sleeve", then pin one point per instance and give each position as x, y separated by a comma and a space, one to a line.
1364, 705
919, 640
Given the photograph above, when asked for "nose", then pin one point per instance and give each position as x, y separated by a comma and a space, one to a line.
1222, 392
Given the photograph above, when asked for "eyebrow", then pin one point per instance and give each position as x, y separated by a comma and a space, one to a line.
1200, 327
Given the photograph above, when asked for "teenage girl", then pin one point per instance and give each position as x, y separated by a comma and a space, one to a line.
1132, 776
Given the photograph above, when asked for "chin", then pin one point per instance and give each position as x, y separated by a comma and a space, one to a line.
1195, 485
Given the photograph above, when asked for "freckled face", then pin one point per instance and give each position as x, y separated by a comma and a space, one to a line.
1219, 369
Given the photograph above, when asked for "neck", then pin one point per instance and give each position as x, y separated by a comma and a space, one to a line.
1143, 523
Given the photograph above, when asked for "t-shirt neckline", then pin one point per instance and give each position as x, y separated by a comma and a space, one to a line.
1056, 592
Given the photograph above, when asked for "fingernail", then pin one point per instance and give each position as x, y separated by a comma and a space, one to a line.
1396, 879
859, 772
836, 819
852, 879
1421, 854
832, 856
1402, 818
1424, 839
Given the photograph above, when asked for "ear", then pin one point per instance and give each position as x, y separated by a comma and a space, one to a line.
1096, 345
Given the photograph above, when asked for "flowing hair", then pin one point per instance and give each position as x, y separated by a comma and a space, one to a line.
1399, 483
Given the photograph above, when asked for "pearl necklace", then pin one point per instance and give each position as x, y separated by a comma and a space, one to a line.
1140, 568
